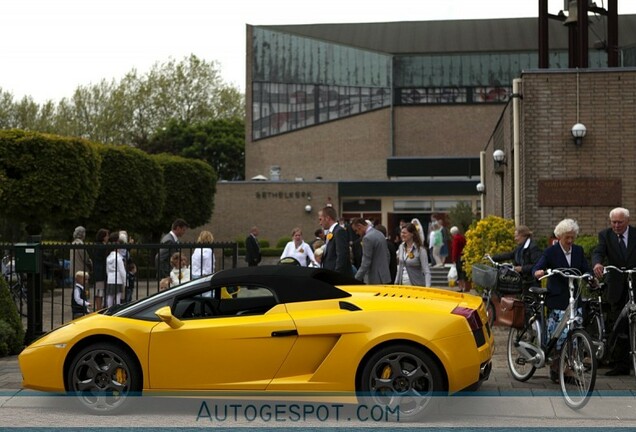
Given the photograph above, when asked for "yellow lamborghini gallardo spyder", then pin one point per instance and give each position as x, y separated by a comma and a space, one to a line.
269, 329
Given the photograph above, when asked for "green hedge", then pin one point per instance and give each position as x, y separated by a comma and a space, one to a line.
11, 330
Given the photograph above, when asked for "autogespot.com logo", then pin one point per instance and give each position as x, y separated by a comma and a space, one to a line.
295, 412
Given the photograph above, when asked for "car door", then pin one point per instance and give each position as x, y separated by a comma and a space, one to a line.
241, 346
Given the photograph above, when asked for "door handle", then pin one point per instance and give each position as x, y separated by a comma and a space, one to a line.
283, 333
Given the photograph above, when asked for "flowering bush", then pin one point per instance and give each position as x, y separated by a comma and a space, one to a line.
491, 235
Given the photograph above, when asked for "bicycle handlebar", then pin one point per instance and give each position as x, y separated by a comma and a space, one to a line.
564, 273
496, 264
621, 270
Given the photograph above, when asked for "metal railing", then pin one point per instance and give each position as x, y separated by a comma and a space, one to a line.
54, 274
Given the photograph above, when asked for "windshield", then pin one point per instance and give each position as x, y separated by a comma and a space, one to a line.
156, 297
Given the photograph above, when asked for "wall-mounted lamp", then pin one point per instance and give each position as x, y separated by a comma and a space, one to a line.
578, 132
308, 208
481, 188
500, 158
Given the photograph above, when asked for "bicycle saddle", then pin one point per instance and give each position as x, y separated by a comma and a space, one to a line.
538, 290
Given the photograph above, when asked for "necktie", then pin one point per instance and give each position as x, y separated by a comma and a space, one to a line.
621, 243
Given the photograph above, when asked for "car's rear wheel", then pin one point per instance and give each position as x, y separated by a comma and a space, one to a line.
403, 380
103, 377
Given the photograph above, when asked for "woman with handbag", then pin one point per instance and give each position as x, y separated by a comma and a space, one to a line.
413, 268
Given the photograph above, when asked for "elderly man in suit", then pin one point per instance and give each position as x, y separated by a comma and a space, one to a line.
374, 268
336, 254
617, 247
252, 248
178, 229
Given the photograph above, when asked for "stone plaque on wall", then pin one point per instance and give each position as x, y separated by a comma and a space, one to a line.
583, 191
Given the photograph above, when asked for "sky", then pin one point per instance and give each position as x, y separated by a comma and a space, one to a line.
50, 47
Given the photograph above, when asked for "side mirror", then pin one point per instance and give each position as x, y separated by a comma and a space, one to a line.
165, 315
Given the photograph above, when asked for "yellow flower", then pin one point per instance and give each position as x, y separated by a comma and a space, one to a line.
410, 255
329, 236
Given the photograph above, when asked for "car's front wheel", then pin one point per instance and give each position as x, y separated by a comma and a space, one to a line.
103, 377
402, 379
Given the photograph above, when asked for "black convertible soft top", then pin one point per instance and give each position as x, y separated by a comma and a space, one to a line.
290, 283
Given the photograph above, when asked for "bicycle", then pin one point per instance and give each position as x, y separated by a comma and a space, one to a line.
530, 347
495, 281
627, 313
594, 322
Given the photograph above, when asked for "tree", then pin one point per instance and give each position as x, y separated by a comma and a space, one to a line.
190, 186
47, 178
132, 109
131, 193
462, 216
190, 91
221, 143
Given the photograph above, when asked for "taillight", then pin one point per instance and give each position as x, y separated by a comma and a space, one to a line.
471, 315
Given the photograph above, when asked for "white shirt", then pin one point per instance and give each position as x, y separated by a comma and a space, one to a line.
202, 262
299, 253
115, 269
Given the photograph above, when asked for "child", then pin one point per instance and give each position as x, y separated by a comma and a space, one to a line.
80, 305
180, 272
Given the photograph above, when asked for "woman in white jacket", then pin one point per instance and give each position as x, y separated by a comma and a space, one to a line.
115, 274
202, 260
298, 249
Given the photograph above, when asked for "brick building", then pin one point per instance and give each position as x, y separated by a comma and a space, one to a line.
559, 178
399, 120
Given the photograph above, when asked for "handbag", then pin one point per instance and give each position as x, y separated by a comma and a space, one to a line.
511, 312
452, 273
508, 281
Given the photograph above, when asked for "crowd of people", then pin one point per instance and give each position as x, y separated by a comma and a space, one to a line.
616, 246
113, 271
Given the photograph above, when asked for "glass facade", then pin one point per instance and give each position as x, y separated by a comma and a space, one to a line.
299, 82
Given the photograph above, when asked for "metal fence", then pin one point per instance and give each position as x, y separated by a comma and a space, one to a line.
47, 290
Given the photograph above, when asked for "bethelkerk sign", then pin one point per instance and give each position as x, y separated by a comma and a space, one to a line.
283, 195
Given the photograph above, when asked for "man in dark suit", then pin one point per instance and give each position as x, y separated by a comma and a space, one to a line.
392, 252
374, 266
178, 229
336, 255
617, 247
252, 248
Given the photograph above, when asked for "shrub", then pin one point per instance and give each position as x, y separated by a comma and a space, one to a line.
588, 243
11, 330
6, 333
491, 235
282, 242
47, 178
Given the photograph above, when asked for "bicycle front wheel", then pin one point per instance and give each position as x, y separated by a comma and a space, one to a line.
522, 349
577, 369
594, 328
632, 341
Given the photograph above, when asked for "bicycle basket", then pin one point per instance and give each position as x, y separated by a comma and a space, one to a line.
509, 281
484, 276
